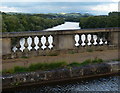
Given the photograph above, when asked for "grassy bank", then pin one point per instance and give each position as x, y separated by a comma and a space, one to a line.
49, 66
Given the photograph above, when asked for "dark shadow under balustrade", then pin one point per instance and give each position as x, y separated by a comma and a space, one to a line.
53, 43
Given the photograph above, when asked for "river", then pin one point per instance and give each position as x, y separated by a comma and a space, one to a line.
65, 26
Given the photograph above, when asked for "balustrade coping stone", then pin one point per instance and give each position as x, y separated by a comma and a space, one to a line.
57, 32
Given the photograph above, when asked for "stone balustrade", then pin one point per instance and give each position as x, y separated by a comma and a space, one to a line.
41, 43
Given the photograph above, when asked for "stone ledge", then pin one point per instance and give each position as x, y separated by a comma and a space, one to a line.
40, 77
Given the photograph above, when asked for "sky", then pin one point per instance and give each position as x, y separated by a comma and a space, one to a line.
95, 7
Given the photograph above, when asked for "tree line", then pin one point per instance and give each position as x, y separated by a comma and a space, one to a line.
28, 22
110, 20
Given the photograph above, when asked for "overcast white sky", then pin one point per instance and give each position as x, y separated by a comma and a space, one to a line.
59, 0
96, 7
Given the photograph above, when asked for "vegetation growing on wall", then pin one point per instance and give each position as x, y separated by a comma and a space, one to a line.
54, 65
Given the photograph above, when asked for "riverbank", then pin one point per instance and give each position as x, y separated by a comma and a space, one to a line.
62, 74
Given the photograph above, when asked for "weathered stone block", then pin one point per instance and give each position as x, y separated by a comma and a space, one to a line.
103, 68
58, 74
76, 71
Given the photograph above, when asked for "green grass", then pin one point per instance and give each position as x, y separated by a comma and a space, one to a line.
45, 66
20, 69
49, 66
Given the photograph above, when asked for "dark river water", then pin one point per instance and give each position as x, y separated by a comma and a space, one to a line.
110, 83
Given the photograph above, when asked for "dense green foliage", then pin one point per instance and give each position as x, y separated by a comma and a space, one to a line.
100, 21
72, 17
28, 22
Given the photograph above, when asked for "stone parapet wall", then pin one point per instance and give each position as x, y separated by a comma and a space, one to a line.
45, 42
61, 74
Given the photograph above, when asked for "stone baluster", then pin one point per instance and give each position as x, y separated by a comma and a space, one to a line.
80, 48
18, 46
98, 40
13, 43
80, 40
39, 44
76, 39
104, 40
26, 48
47, 43
18, 51
33, 52
92, 40
50, 40
101, 38
86, 40
33, 43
